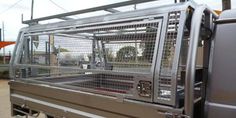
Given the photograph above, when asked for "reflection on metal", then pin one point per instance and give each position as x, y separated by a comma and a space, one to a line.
218, 12
66, 18
112, 10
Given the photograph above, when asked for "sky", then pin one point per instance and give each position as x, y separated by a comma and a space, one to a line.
10, 14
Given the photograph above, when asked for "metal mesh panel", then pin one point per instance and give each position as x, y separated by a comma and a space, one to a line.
103, 56
169, 44
164, 88
132, 49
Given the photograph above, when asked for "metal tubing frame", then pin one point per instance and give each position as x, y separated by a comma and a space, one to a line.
77, 28
150, 74
104, 19
192, 53
11, 64
99, 8
192, 57
175, 63
20, 48
227, 20
158, 12
176, 59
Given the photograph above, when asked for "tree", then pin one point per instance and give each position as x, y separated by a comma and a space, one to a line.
56, 50
127, 53
64, 50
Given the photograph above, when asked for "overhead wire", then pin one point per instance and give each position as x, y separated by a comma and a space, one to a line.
58, 5
10, 7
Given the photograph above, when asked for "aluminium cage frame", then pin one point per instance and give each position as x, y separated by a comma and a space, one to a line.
163, 13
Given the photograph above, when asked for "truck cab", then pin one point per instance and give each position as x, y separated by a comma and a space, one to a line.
220, 101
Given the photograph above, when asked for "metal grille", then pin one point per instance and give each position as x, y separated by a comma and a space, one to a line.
102, 56
169, 44
164, 88
130, 48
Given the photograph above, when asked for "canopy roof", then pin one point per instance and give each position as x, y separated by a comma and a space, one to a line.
6, 43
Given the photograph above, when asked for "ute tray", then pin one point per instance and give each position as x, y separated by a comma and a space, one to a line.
103, 82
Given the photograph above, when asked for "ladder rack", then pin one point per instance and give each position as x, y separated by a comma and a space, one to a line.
108, 8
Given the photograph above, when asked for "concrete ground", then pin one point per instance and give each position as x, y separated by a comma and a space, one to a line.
4, 100
5, 109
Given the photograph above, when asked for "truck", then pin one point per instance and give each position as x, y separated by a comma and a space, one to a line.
169, 61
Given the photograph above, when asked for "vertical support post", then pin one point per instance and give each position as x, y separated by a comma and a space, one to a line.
0, 35
104, 54
9, 55
32, 9
191, 60
3, 39
27, 50
100, 54
31, 50
93, 59
136, 46
47, 53
206, 58
58, 55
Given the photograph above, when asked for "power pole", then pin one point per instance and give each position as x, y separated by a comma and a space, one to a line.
226, 4
0, 35
32, 9
3, 39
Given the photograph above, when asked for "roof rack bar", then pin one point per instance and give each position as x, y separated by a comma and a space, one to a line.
99, 8
112, 10
66, 18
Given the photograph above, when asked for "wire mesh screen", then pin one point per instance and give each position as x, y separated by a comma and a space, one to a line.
125, 47
165, 88
169, 44
93, 53
130, 48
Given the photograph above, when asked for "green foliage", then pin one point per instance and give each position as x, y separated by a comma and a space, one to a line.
127, 53
64, 50
56, 50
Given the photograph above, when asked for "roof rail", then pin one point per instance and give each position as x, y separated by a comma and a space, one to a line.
108, 8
